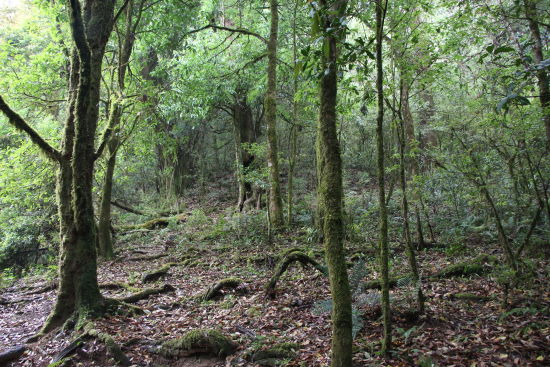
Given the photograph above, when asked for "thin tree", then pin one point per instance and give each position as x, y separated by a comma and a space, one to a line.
275, 202
383, 241
329, 167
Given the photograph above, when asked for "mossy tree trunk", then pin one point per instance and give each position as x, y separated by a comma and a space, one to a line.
381, 7
78, 291
105, 239
115, 115
329, 168
275, 202
531, 13
293, 151
244, 133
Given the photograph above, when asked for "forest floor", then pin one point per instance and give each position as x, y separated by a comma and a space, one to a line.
452, 332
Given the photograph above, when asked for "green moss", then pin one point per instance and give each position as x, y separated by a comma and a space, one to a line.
277, 351
198, 341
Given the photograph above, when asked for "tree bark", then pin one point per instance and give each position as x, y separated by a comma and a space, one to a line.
542, 76
329, 168
383, 241
244, 133
275, 202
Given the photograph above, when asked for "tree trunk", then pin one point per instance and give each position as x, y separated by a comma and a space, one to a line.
383, 241
542, 76
329, 168
412, 143
406, 223
275, 202
79, 291
244, 133
104, 226
293, 129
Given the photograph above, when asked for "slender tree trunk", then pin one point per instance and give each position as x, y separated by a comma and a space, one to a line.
383, 241
413, 160
293, 128
104, 226
105, 239
275, 202
329, 167
542, 76
406, 224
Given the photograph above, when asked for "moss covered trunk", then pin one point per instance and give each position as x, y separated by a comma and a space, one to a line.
244, 133
329, 167
275, 202
383, 240
105, 239
531, 14
104, 226
79, 291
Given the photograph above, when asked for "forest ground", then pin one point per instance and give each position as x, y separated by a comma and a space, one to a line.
452, 332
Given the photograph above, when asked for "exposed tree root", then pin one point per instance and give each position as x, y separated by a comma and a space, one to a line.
216, 289
286, 261
68, 350
146, 293
156, 274
12, 354
146, 257
112, 347
115, 285
49, 287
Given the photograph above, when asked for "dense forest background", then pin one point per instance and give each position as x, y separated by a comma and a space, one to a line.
388, 140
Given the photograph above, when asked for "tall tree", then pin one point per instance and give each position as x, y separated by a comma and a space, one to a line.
275, 202
381, 8
329, 168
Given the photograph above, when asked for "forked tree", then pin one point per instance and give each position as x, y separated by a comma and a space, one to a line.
78, 292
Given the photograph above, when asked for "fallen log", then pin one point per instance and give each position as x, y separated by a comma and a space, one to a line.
146, 293
198, 341
157, 223
127, 208
286, 261
12, 354
476, 266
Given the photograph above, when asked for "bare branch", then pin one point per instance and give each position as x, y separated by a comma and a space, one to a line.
233, 30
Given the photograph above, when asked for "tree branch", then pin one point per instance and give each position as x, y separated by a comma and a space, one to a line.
20, 124
233, 30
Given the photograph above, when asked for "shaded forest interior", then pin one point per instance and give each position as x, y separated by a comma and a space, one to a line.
274, 183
